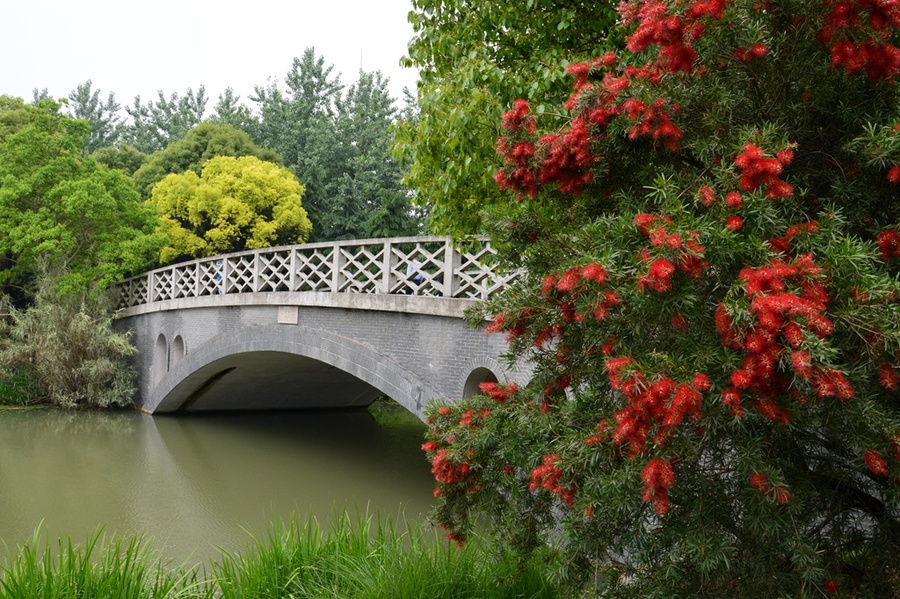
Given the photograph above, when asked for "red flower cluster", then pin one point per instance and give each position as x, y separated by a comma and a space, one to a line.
547, 476
497, 392
655, 407
758, 170
784, 317
658, 479
562, 160
566, 158
680, 252
673, 33
445, 470
844, 28
783, 244
653, 121
582, 70
888, 244
519, 118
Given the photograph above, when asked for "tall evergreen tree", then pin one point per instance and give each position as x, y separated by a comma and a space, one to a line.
103, 117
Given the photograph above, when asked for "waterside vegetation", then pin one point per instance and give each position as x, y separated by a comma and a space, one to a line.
361, 557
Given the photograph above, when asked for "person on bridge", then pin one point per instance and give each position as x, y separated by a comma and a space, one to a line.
414, 274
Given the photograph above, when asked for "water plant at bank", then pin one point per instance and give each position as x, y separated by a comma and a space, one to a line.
709, 235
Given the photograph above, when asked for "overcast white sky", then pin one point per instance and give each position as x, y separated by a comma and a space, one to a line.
132, 48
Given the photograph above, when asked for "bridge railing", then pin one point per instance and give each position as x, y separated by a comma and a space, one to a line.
429, 266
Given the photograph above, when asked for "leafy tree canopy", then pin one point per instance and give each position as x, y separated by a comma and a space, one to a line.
59, 207
235, 204
14, 116
123, 157
201, 143
474, 59
709, 248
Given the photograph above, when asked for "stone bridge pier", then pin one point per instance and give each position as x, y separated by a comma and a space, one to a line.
220, 346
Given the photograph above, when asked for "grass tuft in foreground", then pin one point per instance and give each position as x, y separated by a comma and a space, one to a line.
101, 568
358, 558
368, 559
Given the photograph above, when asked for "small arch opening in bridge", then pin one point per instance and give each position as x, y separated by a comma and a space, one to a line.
178, 351
476, 377
160, 358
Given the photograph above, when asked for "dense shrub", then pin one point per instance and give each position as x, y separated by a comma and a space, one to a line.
710, 301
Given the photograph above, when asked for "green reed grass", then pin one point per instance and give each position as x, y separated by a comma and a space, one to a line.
359, 557
366, 558
100, 568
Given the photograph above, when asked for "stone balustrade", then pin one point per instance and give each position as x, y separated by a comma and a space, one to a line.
419, 266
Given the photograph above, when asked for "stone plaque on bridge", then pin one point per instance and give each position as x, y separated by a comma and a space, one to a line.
288, 314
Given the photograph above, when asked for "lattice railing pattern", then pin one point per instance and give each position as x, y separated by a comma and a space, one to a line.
429, 266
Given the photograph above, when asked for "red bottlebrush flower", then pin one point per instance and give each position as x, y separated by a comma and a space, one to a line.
734, 200
732, 399
734, 223
758, 171
429, 446
706, 195
759, 50
549, 284
547, 476
875, 462
457, 537
594, 272
658, 277
444, 411
679, 321
887, 376
780, 493
888, 244
568, 280
658, 479
643, 222
831, 586
801, 364
740, 379
894, 174
674, 241
758, 481
723, 319
700, 382
513, 120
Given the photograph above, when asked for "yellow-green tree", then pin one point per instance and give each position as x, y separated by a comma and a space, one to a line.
234, 204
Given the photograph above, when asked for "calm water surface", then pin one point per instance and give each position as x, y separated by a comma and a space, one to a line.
195, 484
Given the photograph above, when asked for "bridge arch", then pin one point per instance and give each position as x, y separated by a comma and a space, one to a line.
315, 368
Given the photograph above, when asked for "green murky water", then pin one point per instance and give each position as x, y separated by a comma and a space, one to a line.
197, 483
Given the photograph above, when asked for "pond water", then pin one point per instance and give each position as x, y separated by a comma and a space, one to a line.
192, 484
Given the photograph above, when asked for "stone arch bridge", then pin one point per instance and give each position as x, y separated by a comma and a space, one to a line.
317, 325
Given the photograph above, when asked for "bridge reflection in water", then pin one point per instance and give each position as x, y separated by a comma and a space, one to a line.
315, 325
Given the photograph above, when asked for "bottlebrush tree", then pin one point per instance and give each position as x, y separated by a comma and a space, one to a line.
709, 247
